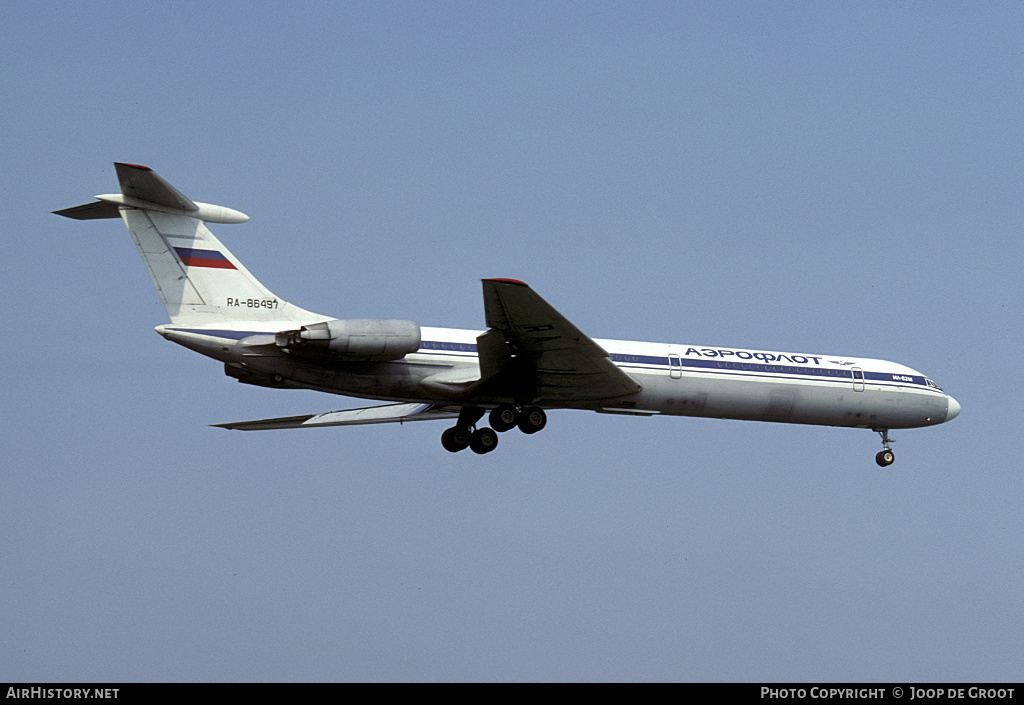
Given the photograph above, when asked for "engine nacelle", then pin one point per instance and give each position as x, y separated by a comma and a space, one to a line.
355, 338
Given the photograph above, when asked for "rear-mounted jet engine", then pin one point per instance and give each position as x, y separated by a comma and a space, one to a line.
354, 339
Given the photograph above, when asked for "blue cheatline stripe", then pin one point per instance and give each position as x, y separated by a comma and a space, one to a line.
802, 371
627, 361
446, 346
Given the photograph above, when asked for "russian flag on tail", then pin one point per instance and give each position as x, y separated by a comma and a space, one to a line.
203, 258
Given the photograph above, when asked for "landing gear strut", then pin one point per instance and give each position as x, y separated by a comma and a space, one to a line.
885, 457
465, 434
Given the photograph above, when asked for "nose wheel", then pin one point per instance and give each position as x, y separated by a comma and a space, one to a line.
885, 457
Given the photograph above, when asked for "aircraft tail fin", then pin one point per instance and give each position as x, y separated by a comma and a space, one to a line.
197, 278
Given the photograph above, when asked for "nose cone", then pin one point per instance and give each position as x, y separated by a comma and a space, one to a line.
954, 409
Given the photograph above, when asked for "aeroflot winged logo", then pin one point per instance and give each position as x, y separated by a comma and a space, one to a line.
530, 359
762, 356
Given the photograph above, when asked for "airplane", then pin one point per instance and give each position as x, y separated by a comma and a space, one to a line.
529, 360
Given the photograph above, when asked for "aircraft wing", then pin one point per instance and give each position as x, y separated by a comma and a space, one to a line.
552, 357
389, 413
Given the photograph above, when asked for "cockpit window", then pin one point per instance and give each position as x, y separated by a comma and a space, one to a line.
932, 384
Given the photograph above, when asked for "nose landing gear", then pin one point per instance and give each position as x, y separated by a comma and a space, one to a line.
885, 457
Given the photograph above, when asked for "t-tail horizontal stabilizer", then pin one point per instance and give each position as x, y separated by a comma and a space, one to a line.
143, 188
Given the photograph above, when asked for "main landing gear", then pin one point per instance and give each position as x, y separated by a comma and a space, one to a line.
465, 434
885, 457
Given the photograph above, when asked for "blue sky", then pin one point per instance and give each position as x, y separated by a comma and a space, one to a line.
841, 178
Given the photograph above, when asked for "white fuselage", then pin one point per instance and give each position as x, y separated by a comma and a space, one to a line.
680, 380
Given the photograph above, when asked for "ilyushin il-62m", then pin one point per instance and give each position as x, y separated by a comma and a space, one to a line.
530, 358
